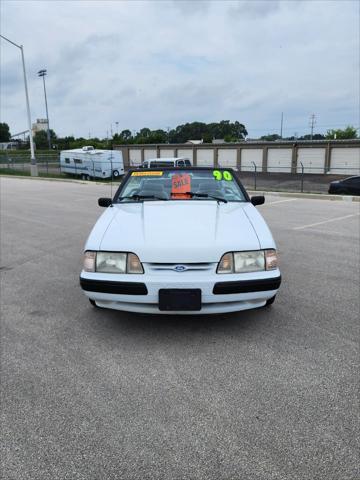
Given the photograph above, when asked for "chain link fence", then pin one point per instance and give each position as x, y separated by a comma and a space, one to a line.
306, 179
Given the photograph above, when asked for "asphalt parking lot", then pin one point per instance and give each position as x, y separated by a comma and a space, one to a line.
95, 394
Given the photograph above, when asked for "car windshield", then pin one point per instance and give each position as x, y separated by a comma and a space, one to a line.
181, 184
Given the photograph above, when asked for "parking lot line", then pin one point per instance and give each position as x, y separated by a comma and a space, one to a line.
326, 221
281, 201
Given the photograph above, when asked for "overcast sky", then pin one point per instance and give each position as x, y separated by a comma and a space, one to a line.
158, 64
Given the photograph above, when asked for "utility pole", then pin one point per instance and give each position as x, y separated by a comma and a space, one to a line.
168, 132
312, 124
281, 124
42, 73
117, 128
33, 166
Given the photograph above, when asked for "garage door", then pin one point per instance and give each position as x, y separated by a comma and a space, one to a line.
313, 160
149, 153
186, 153
345, 161
227, 157
134, 156
166, 153
279, 160
249, 156
205, 157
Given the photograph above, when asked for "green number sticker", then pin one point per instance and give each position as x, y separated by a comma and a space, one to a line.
227, 176
217, 174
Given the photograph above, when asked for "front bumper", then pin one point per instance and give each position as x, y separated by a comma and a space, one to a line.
219, 293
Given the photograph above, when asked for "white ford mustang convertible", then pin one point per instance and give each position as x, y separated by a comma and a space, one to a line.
180, 241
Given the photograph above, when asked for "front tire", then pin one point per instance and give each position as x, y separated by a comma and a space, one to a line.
93, 303
116, 173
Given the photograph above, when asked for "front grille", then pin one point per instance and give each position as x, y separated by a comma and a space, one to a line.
174, 267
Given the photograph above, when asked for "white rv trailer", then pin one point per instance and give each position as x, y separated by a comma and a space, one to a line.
88, 162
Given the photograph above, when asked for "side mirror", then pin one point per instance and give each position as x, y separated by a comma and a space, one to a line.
258, 200
105, 202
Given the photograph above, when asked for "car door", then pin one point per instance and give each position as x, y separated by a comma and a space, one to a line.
354, 186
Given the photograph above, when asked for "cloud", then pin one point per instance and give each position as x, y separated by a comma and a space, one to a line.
164, 63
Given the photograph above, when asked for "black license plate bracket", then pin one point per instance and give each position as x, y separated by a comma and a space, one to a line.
179, 299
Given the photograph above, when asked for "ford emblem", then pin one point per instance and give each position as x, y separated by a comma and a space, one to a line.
180, 268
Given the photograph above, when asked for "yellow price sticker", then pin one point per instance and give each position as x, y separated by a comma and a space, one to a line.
146, 174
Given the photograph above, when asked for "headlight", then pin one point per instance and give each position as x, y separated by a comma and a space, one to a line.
112, 262
245, 262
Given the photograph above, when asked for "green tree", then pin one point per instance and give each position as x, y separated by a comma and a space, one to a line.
270, 137
347, 133
234, 131
123, 137
4, 132
316, 136
40, 138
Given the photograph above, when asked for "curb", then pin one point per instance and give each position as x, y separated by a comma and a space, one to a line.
54, 179
309, 196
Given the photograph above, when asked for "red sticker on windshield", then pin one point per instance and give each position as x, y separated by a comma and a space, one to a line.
180, 184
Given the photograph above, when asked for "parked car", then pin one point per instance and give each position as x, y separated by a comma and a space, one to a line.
166, 162
180, 241
348, 186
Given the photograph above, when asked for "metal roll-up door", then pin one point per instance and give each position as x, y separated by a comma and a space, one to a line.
249, 156
313, 160
166, 153
205, 157
186, 153
149, 153
279, 160
227, 157
134, 156
345, 161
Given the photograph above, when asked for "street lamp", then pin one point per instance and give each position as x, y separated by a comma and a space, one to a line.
33, 166
42, 73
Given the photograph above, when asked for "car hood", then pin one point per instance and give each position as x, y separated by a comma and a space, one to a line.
180, 232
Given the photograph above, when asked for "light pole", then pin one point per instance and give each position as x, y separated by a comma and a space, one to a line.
33, 166
42, 73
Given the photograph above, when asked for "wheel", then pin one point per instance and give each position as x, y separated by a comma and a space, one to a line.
83, 176
270, 301
93, 303
116, 173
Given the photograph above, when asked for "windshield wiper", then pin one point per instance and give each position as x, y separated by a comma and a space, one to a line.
138, 198
206, 195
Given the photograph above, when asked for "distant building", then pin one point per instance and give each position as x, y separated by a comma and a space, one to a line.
218, 140
8, 145
40, 125
195, 142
